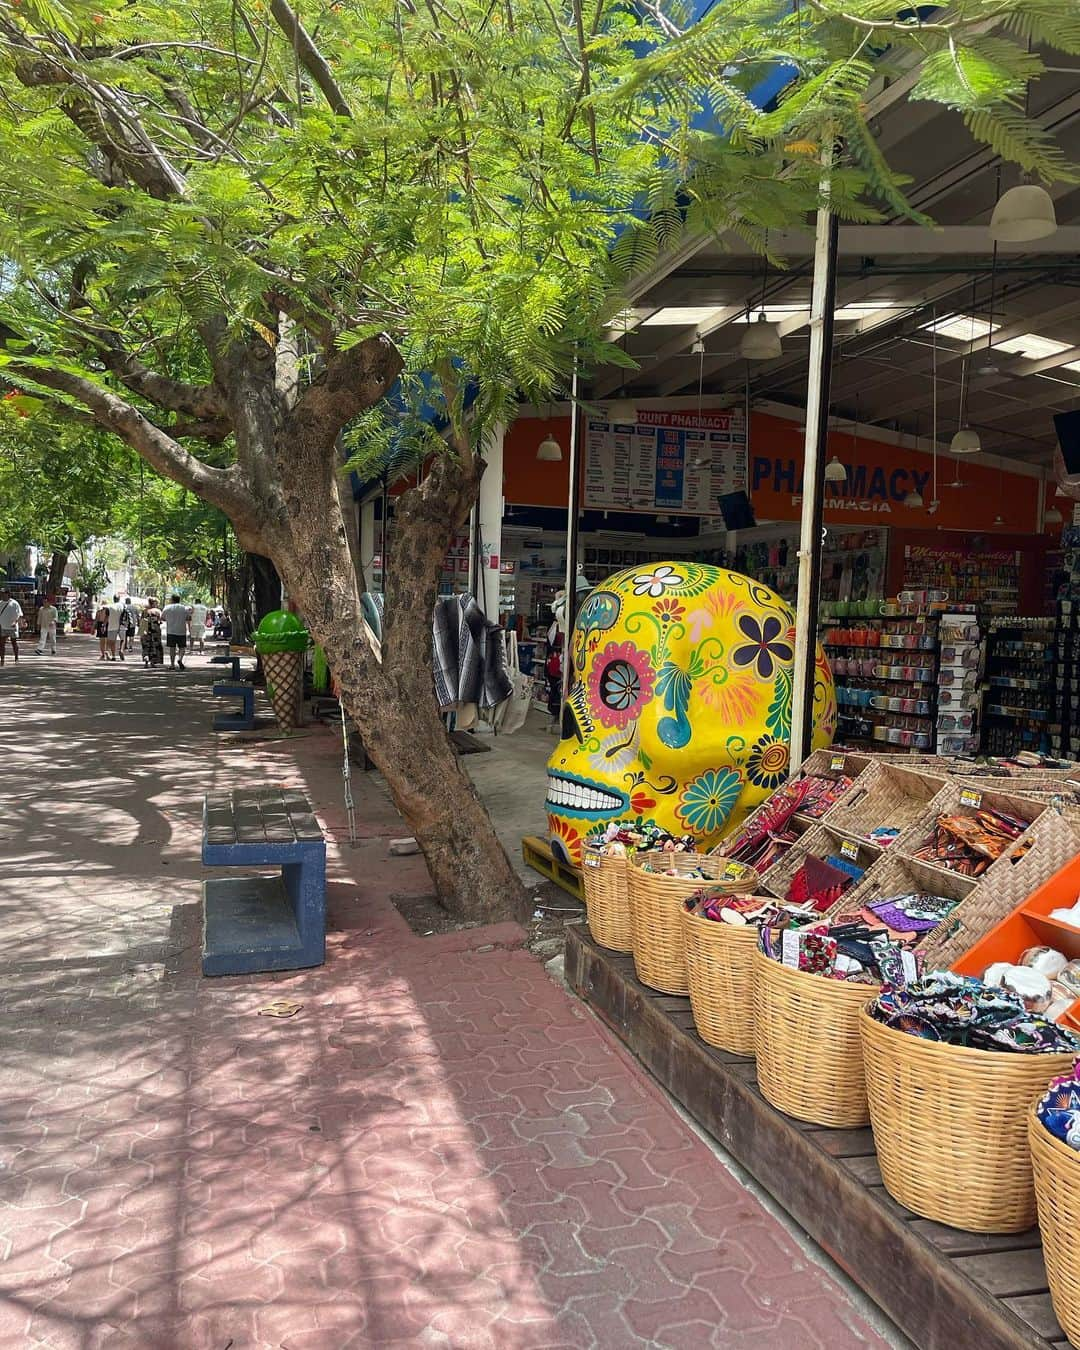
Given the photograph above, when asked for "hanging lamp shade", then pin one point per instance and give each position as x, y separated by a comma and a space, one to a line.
914, 500
1024, 213
965, 442
549, 448
761, 341
1053, 516
835, 471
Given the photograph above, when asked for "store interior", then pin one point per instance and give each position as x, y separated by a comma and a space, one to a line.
955, 368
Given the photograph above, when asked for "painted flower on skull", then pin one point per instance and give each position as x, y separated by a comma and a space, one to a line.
654, 583
763, 649
620, 683
767, 763
707, 802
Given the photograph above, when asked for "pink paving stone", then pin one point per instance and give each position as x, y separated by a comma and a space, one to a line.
443, 1149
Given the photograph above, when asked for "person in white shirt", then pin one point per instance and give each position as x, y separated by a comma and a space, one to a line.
175, 618
10, 616
116, 611
46, 619
198, 626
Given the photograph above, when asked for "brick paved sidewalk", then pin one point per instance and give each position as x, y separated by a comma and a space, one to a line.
441, 1149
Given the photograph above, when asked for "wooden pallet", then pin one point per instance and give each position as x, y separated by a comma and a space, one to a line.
538, 855
945, 1289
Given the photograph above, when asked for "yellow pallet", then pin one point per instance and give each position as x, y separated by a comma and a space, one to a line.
538, 855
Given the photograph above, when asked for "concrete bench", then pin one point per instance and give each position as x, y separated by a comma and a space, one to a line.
244, 720
257, 923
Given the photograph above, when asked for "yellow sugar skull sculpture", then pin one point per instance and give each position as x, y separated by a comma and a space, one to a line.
679, 710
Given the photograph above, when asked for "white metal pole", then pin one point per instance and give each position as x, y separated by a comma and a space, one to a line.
817, 411
572, 514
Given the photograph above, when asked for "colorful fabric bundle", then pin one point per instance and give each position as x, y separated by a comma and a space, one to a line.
969, 844
818, 883
1059, 1109
914, 913
960, 1010
720, 906
823, 793
769, 827
844, 951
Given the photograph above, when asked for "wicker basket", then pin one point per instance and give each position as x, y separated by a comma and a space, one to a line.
897, 875
950, 1126
1055, 840
719, 968
606, 901
964, 799
885, 794
1057, 1190
656, 904
806, 1038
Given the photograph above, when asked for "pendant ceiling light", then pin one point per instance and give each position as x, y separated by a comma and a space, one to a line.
914, 500
835, 471
1053, 516
965, 442
1023, 214
761, 341
549, 448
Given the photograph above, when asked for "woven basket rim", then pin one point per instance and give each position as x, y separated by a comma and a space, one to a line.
838, 989
966, 1052
1041, 1135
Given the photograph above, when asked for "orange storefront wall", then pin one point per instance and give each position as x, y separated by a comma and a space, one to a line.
879, 478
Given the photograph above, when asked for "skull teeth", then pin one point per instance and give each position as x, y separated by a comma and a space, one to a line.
568, 794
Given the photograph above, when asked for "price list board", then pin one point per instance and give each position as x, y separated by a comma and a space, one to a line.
665, 461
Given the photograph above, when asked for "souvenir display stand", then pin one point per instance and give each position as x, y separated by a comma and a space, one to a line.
898, 1150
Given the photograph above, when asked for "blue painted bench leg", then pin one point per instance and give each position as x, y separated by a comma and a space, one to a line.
305, 884
244, 720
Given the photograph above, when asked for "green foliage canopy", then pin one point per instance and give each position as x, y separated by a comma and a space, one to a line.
475, 178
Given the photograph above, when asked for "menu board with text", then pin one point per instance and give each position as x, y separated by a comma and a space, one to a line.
665, 461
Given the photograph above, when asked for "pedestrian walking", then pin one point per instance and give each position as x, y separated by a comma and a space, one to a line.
150, 633
129, 624
101, 628
112, 637
47, 616
198, 626
175, 616
10, 618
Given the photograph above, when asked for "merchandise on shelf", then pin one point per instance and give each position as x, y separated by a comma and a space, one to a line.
958, 692
1018, 686
886, 669
989, 579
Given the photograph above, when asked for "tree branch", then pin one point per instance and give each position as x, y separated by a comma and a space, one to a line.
220, 487
309, 55
201, 402
350, 382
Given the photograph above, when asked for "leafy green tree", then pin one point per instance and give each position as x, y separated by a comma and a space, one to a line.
229, 237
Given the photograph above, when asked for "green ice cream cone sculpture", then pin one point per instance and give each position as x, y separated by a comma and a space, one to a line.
281, 640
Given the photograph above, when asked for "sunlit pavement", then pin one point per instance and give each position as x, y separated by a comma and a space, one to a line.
441, 1149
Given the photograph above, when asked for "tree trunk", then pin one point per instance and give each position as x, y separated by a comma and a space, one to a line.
393, 703
265, 585
57, 567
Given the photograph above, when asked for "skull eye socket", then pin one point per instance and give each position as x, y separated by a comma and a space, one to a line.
569, 724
